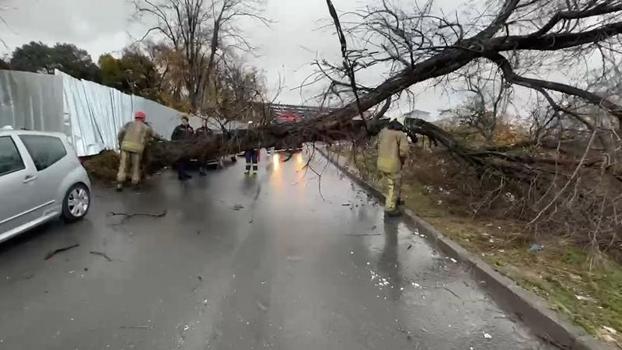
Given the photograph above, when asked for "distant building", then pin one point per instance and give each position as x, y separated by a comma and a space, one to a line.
419, 114
447, 119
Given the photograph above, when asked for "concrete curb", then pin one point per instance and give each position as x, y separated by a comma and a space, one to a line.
528, 307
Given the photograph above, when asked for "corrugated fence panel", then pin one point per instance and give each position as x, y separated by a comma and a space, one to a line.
32, 101
89, 113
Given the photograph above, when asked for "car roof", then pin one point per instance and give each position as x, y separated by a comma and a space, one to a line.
31, 132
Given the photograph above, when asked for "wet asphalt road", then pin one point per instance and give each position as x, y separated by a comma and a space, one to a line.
266, 262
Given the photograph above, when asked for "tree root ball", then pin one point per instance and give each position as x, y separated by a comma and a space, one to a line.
103, 166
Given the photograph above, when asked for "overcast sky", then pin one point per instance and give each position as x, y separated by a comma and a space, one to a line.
284, 50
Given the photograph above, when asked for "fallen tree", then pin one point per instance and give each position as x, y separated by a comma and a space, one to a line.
421, 46
579, 25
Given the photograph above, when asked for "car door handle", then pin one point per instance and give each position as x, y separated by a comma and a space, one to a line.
30, 178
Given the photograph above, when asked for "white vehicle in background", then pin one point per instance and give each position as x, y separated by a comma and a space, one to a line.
41, 179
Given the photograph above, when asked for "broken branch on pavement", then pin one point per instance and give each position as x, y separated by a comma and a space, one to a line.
127, 216
51, 254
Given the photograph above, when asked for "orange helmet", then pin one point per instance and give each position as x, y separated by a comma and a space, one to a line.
140, 116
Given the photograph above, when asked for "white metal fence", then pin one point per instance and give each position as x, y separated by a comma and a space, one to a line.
89, 113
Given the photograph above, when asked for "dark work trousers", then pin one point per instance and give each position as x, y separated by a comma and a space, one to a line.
252, 159
182, 169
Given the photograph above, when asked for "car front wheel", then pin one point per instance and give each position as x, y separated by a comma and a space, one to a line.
76, 203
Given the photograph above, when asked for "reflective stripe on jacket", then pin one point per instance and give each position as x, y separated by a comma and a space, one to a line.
392, 147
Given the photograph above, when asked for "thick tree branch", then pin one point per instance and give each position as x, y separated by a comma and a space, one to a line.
549, 42
347, 65
600, 9
590, 97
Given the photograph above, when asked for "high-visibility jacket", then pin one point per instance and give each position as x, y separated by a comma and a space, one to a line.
134, 136
392, 148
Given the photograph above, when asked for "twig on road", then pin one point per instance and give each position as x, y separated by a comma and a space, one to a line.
452, 292
104, 255
136, 327
290, 156
49, 255
262, 306
127, 216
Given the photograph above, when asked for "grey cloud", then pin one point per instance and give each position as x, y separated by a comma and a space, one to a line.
285, 49
98, 26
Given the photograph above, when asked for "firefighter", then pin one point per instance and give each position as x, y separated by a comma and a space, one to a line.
133, 138
183, 132
252, 157
393, 150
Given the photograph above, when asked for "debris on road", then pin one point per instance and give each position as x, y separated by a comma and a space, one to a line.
452, 292
51, 254
583, 298
127, 216
104, 255
535, 248
608, 334
137, 327
28, 276
261, 306
610, 330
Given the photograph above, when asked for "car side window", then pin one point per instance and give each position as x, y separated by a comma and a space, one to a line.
44, 150
10, 159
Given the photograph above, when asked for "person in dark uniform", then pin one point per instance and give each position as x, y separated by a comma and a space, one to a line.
183, 132
203, 132
252, 161
252, 157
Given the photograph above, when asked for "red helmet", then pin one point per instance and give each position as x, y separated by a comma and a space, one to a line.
140, 115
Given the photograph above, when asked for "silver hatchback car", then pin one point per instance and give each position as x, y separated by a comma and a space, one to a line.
41, 179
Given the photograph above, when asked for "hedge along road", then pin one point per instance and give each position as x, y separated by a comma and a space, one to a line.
278, 261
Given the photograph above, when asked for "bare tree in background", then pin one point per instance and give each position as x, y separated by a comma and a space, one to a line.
198, 31
234, 94
486, 102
